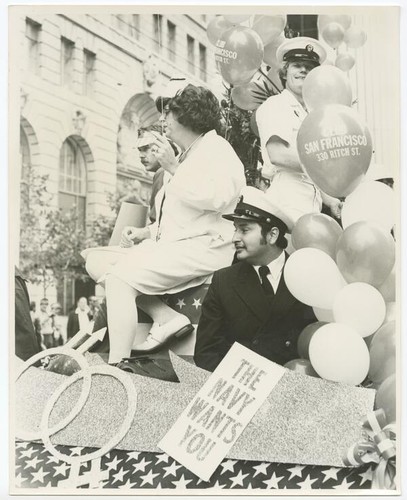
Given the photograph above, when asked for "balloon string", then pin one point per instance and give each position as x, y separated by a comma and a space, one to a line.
267, 78
228, 125
159, 20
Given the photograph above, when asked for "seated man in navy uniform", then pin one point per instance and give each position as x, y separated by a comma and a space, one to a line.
249, 301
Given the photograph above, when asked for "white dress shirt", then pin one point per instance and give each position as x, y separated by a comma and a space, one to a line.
276, 270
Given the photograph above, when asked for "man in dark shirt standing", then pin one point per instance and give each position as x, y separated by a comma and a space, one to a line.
249, 302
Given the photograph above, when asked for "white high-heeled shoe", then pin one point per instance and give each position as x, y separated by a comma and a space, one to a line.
160, 336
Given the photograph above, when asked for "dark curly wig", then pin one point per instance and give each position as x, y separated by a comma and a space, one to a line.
196, 108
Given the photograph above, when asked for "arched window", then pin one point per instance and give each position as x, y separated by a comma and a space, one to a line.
72, 179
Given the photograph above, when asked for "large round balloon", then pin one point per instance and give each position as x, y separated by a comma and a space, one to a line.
360, 306
355, 37
344, 20
269, 27
301, 366
340, 354
383, 353
313, 277
345, 61
335, 147
325, 315
316, 231
365, 252
326, 85
216, 28
370, 201
333, 34
386, 398
236, 18
270, 50
239, 54
305, 338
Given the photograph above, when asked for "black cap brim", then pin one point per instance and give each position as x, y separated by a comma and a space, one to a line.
233, 217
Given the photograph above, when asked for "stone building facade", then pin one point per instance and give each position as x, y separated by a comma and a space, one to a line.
88, 82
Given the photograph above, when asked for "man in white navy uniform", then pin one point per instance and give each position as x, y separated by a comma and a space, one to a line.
279, 119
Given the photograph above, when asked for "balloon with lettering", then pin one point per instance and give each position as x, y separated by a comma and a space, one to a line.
345, 61
333, 34
270, 50
236, 19
239, 54
386, 398
366, 253
305, 338
338, 353
316, 231
216, 28
344, 20
335, 147
370, 201
355, 37
269, 27
301, 366
383, 353
313, 277
360, 306
323, 314
326, 85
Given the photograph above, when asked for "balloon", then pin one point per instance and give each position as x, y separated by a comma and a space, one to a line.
366, 253
388, 287
236, 19
344, 20
269, 27
243, 97
323, 314
383, 353
333, 34
371, 201
239, 54
313, 277
270, 49
216, 28
345, 61
326, 85
301, 366
386, 398
335, 147
305, 338
355, 37
340, 354
360, 306
391, 312
253, 125
316, 231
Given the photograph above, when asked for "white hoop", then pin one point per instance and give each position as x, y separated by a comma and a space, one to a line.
126, 382
83, 365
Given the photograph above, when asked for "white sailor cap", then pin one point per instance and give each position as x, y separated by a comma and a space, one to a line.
301, 48
256, 206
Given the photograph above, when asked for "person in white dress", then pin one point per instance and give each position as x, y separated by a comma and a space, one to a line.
189, 240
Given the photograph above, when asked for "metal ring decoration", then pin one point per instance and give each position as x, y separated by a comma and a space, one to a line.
87, 380
126, 382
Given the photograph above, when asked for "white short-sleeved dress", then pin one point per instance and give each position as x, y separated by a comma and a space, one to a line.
190, 240
282, 115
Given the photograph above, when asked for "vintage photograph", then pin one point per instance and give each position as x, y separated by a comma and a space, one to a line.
204, 220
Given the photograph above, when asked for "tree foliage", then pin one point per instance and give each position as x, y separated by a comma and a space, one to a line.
50, 239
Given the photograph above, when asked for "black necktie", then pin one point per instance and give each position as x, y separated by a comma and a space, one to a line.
264, 271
